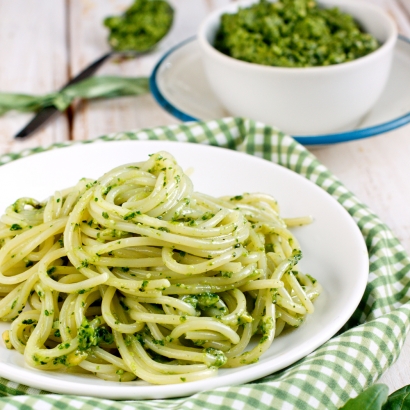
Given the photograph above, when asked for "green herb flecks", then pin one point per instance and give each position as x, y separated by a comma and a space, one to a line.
15, 227
214, 357
141, 27
89, 335
292, 33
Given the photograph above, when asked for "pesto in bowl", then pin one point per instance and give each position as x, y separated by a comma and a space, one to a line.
292, 33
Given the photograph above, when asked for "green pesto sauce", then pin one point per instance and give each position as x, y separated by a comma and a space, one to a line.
89, 336
141, 26
207, 299
292, 33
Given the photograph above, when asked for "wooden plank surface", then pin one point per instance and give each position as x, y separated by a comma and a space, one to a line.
88, 42
33, 60
359, 165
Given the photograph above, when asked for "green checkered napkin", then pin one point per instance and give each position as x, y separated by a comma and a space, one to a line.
342, 367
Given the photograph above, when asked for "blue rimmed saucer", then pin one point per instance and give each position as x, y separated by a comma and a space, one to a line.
178, 83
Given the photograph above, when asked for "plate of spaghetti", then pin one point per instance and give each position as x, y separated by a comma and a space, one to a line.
155, 269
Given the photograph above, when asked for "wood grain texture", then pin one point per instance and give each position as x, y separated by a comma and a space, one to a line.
87, 42
398, 375
400, 11
377, 170
33, 60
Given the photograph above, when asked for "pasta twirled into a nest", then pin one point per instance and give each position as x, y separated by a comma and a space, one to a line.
136, 275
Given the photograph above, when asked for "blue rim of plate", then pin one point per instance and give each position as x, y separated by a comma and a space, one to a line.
305, 140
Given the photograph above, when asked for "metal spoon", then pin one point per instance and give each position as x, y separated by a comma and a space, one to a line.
45, 114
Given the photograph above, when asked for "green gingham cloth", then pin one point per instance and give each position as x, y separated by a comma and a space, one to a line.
344, 366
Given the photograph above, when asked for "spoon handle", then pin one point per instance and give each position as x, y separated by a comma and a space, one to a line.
90, 70
45, 114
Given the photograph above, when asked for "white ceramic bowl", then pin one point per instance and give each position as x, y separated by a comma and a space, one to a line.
302, 101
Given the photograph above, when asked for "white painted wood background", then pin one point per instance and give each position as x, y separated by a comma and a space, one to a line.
45, 42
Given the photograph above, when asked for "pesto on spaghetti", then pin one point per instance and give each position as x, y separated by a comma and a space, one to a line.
136, 275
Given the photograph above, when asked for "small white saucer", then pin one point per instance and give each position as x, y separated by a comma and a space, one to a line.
179, 85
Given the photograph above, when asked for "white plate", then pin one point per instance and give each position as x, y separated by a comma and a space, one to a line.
179, 85
333, 248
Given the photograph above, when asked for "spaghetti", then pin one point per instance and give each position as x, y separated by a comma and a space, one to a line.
135, 275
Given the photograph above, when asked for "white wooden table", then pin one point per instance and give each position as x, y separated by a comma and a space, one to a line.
45, 42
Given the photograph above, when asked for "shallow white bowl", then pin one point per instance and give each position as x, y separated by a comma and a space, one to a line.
333, 248
302, 101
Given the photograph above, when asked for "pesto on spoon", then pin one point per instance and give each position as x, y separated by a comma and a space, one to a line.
141, 27
135, 33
